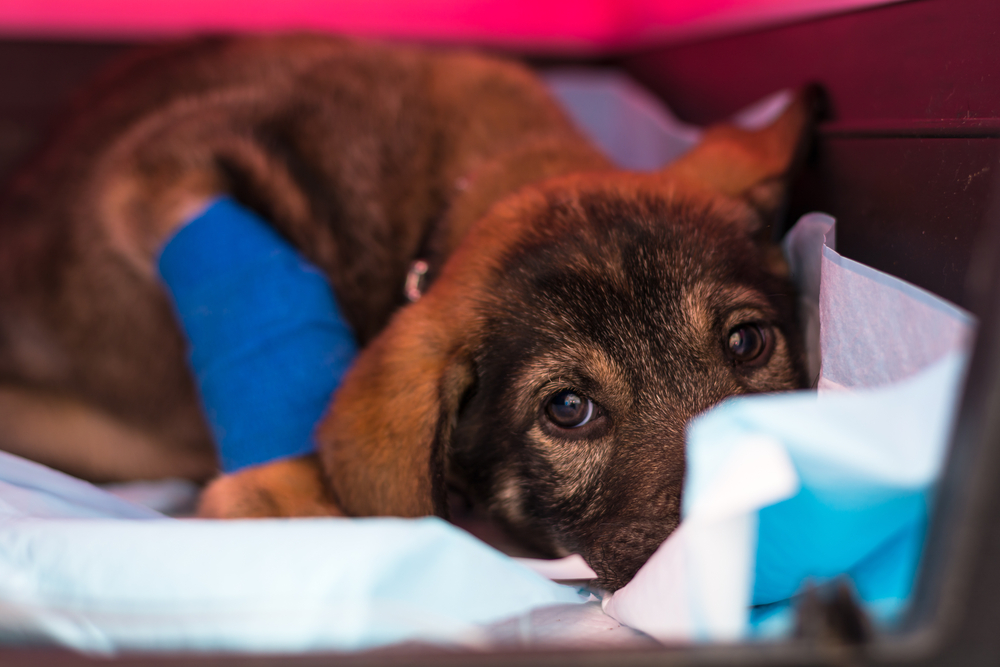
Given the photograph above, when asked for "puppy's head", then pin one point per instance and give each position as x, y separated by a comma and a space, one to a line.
551, 370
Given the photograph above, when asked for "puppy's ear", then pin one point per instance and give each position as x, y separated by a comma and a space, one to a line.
753, 165
383, 442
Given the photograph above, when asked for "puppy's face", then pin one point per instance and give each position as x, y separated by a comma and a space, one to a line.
552, 368
605, 330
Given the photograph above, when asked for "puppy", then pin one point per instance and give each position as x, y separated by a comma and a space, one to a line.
577, 316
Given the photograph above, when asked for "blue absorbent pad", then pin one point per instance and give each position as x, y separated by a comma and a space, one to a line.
866, 463
268, 343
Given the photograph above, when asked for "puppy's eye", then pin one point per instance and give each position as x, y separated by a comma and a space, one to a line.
747, 343
568, 409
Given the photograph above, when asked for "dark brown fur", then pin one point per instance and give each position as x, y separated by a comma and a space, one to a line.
550, 271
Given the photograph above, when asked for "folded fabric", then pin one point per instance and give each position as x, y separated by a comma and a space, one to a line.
866, 477
268, 343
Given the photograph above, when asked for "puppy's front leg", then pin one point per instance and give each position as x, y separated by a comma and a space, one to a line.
286, 488
267, 347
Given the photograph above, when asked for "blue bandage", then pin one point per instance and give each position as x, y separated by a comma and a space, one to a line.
268, 344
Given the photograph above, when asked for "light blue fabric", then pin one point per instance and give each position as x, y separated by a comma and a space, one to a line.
29, 489
268, 343
867, 461
71, 578
627, 122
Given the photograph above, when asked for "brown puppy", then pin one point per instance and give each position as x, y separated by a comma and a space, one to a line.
578, 317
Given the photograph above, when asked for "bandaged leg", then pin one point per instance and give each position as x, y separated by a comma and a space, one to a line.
268, 343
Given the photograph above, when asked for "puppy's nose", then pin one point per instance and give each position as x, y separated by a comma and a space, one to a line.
617, 554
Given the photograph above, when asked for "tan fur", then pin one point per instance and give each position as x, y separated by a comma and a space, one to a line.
735, 162
286, 488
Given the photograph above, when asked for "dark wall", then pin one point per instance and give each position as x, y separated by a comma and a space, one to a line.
927, 60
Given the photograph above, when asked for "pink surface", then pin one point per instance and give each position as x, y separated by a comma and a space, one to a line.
534, 25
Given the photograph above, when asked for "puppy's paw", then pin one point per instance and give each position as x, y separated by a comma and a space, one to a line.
286, 488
